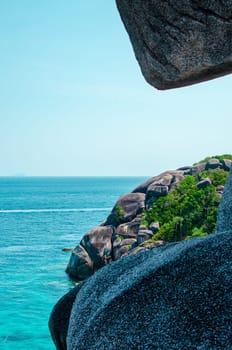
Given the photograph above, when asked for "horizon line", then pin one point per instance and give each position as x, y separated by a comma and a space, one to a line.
74, 176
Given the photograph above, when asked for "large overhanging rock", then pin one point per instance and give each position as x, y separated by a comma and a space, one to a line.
182, 42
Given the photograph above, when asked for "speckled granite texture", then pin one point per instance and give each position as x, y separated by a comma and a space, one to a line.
179, 43
224, 221
176, 297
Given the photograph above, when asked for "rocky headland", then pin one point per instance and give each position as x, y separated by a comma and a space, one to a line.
172, 297
126, 230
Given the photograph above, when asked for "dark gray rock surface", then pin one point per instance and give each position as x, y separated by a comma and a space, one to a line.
59, 318
98, 244
175, 297
80, 265
224, 220
204, 183
93, 252
182, 42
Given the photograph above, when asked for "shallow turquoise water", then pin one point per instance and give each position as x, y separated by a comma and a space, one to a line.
39, 217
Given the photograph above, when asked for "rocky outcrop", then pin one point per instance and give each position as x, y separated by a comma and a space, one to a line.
179, 43
173, 297
167, 178
122, 234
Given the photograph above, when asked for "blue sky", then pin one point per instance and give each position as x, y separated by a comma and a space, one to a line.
73, 100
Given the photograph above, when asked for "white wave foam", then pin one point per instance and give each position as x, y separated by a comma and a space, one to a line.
52, 210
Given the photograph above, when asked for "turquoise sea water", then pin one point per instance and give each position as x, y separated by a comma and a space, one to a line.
39, 217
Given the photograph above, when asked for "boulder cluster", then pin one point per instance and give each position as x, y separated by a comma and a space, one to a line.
122, 233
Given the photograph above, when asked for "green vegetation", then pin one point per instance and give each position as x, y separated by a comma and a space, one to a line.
217, 176
121, 237
188, 211
120, 211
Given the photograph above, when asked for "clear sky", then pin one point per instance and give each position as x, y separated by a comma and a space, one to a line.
73, 100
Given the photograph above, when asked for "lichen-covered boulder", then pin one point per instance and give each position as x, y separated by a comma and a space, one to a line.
182, 42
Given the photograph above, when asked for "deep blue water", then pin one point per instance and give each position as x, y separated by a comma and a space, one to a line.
39, 217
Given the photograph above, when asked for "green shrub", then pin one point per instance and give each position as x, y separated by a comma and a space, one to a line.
121, 237
120, 211
197, 232
187, 211
218, 176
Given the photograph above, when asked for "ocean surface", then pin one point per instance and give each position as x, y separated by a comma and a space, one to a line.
38, 217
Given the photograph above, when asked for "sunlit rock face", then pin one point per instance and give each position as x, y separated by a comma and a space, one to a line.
182, 42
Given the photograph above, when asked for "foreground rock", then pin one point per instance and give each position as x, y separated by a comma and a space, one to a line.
122, 233
176, 297
224, 221
179, 43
